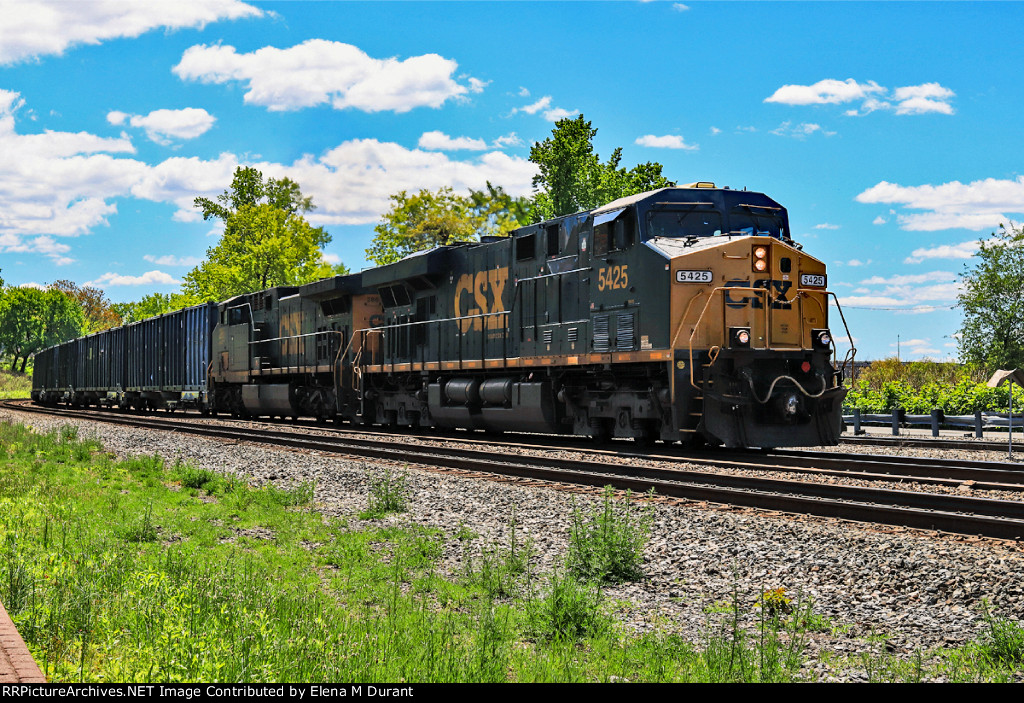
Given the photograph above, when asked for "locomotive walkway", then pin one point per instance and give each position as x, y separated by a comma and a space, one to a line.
16, 665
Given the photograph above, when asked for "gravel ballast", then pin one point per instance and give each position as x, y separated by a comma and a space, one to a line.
918, 589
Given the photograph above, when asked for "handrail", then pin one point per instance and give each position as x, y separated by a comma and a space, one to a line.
798, 296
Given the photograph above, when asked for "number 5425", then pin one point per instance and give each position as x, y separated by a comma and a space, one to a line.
613, 277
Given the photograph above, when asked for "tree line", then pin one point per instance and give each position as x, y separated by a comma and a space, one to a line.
268, 242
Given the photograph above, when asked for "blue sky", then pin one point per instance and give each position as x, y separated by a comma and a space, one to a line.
891, 131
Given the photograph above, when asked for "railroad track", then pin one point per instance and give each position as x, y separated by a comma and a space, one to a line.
1002, 519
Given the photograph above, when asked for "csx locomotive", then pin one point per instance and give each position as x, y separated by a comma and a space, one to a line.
682, 314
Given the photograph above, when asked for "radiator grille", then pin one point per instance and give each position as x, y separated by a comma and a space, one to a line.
624, 333
602, 342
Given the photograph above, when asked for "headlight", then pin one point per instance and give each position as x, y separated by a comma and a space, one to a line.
821, 339
759, 258
739, 336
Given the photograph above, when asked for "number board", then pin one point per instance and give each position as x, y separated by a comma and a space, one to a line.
694, 276
814, 280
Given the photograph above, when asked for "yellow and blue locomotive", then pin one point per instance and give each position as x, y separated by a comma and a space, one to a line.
682, 314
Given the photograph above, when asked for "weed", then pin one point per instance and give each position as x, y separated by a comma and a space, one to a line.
464, 533
143, 530
1003, 640
389, 493
499, 566
301, 494
608, 543
570, 610
192, 477
775, 603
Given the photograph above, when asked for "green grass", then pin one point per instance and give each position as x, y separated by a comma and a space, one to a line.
139, 571
14, 384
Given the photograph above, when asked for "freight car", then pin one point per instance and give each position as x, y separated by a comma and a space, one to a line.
683, 314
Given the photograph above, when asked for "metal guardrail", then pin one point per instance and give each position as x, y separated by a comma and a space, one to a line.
897, 418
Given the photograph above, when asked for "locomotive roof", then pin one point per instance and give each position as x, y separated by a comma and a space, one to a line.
719, 196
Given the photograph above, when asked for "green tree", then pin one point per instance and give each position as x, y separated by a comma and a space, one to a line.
428, 219
152, 305
573, 178
266, 242
98, 310
33, 319
993, 302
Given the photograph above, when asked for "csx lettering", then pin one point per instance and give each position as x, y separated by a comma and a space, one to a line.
776, 290
613, 277
480, 294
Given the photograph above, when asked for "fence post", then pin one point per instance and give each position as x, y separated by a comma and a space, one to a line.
936, 418
856, 422
978, 422
896, 421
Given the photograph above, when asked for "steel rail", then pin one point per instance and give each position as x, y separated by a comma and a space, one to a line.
983, 475
950, 513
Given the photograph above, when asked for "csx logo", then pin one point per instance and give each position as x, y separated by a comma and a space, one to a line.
479, 294
776, 293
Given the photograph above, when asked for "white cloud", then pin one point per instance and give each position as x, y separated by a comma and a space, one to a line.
32, 284
64, 184
858, 262
669, 141
906, 100
900, 280
163, 125
918, 99
42, 244
171, 260
534, 108
523, 92
442, 142
716, 130
975, 206
116, 117
350, 184
58, 183
30, 29
964, 250
680, 7
319, 72
551, 114
879, 220
510, 139
146, 279
559, 113
800, 131
826, 225
476, 85
907, 293
828, 91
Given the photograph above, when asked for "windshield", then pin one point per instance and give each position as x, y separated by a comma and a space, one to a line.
751, 223
684, 223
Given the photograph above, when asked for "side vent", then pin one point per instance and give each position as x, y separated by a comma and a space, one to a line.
602, 343
624, 333
573, 334
547, 335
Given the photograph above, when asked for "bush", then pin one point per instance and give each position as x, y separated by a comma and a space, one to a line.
608, 544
